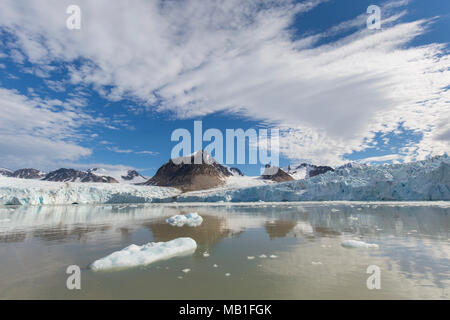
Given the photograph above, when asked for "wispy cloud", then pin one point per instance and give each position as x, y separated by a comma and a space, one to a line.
152, 153
118, 150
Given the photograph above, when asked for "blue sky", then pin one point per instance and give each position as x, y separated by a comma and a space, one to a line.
111, 93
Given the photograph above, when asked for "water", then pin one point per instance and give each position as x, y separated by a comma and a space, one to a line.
37, 244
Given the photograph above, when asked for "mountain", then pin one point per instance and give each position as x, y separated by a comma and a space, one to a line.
121, 175
72, 175
276, 174
5, 172
306, 170
28, 174
236, 172
184, 174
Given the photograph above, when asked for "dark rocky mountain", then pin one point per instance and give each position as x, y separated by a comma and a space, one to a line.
198, 171
72, 175
236, 172
316, 170
132, 175
5, 172
276, 174
28, 173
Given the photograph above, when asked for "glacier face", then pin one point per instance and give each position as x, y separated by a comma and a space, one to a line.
15, 191
419, 181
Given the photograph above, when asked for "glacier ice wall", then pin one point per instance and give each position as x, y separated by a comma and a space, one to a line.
419, 181
15, 191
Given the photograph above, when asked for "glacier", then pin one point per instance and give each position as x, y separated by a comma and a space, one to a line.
416, 181
14, 191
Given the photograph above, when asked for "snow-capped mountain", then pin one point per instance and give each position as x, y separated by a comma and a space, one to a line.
100, 175
236, 172
5, 172
197, 171
305, 170
28, 173
72, 175
121, 175
276, 174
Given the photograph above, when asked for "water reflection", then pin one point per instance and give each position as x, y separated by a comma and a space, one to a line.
414, 247
53, 223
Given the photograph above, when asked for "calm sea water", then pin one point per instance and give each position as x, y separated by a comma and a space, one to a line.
37, 244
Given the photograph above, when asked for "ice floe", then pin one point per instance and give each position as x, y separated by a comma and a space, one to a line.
358, 244
190, 219
135, 255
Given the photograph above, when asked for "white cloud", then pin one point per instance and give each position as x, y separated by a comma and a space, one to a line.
195, 58
33, 133
152, 153
389, 157
118, 150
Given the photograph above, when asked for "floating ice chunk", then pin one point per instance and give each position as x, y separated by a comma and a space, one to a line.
250, 257
227, 274
316, 263
215, 266
180, 277
190, 219
186, 270
134, 255
263, 256
334, 210
357, 244
353, 218
205, 254
272, 256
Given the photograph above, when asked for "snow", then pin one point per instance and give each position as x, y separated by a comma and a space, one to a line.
358, 244
118, 174
37, 192
134, 255
199, 156
416, 181
190, 219
301, 173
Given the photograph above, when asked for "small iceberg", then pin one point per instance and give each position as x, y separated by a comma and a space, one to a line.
190, 219
358, 244
134, 255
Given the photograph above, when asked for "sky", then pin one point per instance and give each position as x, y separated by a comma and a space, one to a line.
111, 93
